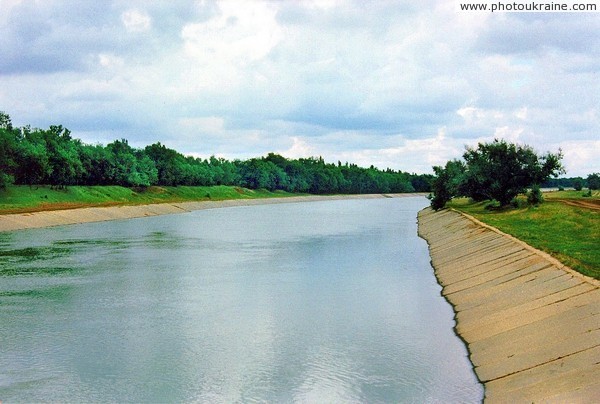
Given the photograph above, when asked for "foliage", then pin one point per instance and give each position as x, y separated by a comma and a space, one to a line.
447, 182
593, 181
578, 184
534, 196
501, 170
35, 156
563, 182
8, 147
496, 171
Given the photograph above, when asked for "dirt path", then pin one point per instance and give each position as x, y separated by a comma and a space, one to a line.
587, 204
532, 325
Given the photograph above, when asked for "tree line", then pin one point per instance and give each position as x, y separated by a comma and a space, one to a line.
31, 156
592, 181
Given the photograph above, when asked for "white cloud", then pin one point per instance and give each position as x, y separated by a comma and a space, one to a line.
108, 60
136, 21
580, 157
370, 83
241, 33
212, 124
300, 148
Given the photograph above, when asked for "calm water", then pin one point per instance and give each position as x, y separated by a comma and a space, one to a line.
308, 302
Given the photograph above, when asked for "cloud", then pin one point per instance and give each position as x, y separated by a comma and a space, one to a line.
136, 21
373, 81
537, 33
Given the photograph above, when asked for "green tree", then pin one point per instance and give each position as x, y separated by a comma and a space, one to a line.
169, 163
446, 183
534, 196
98, 165
130, 167
8, 150
593, 181
5, 121
578, 184
33, 166
63, 156
500, 170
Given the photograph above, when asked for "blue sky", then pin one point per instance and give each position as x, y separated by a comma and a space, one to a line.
397, 84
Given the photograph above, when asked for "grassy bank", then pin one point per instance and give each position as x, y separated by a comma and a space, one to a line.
569, 233
21, 199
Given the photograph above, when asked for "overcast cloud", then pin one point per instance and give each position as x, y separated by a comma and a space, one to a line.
397, 84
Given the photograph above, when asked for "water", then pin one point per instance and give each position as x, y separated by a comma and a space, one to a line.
308, 302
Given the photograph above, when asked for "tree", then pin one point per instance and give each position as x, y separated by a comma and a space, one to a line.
446, 183
593, 181
8, 149
33, 166
131, 167
535, 197
169, 163
5, 121
500, 170
52, 156
63, 157
98, 165
578, 184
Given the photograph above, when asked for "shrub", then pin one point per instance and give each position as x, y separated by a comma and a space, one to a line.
535, 197
593, 181
518, 203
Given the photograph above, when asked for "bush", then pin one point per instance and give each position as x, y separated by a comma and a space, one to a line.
518, 203
593, 181
445, 184
535, 197
587, 194
578, 184
561, 188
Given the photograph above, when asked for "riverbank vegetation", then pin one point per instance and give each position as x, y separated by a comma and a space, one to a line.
499, 184
496, 171
30, 156
566, 225
23, 198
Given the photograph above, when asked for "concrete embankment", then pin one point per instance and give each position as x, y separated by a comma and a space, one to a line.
532, 325
33, 220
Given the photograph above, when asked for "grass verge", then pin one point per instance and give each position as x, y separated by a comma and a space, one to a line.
22, 199
571, 234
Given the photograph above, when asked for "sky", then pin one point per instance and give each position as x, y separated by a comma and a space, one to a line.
395, 84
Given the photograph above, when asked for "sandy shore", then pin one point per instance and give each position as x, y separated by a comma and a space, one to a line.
22, 221
532, 325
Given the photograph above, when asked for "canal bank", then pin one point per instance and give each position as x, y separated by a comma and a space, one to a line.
20, 221
532, 325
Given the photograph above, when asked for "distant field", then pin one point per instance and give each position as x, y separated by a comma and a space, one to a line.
566, 225
20, 199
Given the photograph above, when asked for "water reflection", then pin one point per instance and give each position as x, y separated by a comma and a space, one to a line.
327, 302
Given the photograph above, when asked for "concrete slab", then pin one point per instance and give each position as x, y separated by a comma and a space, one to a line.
531, 324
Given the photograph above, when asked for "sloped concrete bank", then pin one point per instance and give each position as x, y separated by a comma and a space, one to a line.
532, 325
22, 221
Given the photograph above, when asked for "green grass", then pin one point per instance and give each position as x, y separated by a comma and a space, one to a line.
570, 234
571, 194
18, 199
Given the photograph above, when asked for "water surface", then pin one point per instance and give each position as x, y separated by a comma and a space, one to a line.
330, 301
